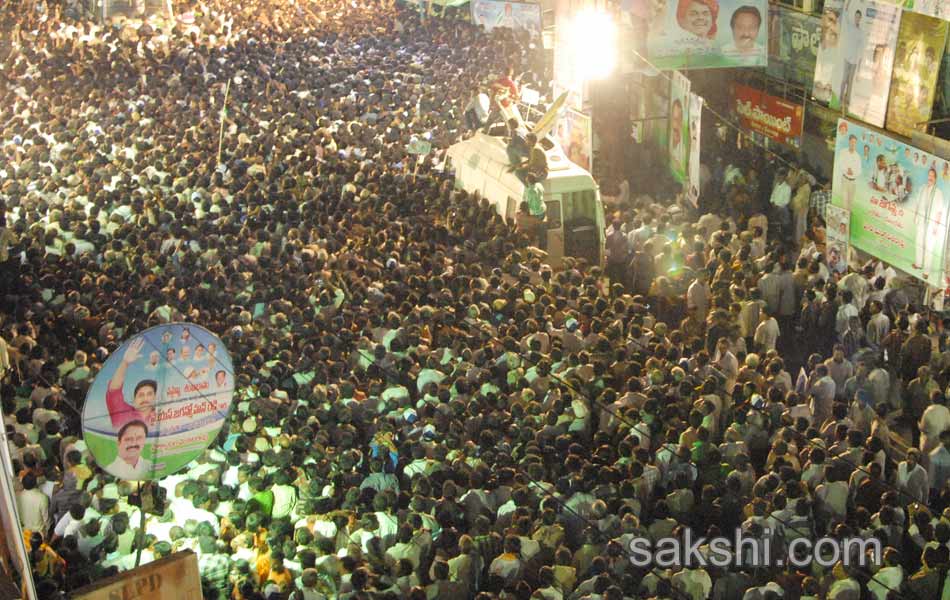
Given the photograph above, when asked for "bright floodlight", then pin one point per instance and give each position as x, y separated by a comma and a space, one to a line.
593, 44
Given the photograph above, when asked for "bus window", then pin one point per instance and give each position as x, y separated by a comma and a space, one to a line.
553, 213
580, 204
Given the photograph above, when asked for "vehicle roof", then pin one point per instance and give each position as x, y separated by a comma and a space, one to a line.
492, 148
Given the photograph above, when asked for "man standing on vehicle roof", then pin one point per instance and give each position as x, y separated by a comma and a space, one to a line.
534, 197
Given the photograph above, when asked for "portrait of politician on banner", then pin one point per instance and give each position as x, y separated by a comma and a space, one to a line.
158, 402
868, 48
701, 34
829, 68
916, 68
897, 196
513, 15
679, 127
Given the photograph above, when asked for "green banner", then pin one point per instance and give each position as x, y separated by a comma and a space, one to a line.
793, 45
897, 198
679, 126
916, 67
705, 34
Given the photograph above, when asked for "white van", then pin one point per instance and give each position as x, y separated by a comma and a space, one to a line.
575, 213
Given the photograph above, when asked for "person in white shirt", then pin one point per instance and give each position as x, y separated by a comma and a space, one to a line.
879, 325
879, 177
912, 480
846, 312
934, 421
33, 506
129, 464
745, 22
782, 196
766, 334
889, 577
850, 168
930, 223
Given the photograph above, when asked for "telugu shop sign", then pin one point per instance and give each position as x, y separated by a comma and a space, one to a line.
765, 114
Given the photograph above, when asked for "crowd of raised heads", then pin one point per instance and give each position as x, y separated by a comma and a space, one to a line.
424, 409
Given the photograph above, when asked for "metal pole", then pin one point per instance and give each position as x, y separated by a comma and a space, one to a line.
141, 536
224, 110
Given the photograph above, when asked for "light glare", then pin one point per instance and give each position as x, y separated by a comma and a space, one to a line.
593, 44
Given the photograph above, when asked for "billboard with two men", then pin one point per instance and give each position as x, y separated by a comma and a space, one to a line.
701, 34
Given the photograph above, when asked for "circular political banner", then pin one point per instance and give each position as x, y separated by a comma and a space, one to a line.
158, 402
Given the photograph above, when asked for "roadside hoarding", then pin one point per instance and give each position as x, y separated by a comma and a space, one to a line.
703, 34
856, 57
513, 15
916, 68
695, 131
574, 135
793, 49
679, 126
897, 198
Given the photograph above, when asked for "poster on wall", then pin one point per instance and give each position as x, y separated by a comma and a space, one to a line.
566, 75
856, 57
869, 41
838, 228
916, 68
158, 402
829, 69
679, 126
773, 117
703, 34
794, 39
931, 8
513, 15
695, 130
574, 135
897, 198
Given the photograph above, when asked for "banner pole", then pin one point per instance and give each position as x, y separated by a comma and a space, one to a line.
141, 536
224, 109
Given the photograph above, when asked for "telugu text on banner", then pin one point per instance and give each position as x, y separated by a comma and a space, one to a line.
702, 34
897, 198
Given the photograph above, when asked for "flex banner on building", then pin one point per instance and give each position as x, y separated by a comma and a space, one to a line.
931, 8
897, 197
695, 131
769, 115
678, 140
838, 227
576, 139
856, 57
916, 68
703, 34
513, 15
794, 39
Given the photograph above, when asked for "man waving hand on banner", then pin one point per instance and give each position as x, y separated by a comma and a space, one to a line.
143, 398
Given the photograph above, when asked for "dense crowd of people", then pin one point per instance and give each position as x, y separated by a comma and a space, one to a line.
424, 409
